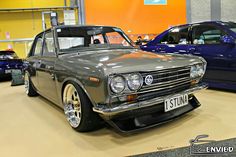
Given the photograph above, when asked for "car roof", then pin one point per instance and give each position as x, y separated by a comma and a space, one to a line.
80, 26
204, 22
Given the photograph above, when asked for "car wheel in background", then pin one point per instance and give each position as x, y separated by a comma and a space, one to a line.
29, 89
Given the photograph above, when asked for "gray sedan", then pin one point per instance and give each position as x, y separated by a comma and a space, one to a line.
95, 73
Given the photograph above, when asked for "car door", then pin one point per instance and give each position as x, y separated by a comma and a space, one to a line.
34, 58
206, 42
46, 71
176, 40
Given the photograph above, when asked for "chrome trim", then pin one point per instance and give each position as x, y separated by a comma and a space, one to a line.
110, 111
167, 83
172, 76
167, 71
154, 88
166, 79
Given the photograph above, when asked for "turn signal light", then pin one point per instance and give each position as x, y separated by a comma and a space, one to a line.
193, 82
132, 97
94, 79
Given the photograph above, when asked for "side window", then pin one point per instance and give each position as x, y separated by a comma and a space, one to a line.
116, 38
38, 47
206, 34
48, 47
97, 39
176, 36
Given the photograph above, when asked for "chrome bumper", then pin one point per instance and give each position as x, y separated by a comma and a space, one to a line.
111, 111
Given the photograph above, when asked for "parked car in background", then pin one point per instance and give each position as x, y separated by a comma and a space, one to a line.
214, 41
9, 61
95, 71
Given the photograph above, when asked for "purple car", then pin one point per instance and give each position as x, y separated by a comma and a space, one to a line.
9, 61
215, 41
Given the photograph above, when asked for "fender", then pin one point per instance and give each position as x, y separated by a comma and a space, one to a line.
80, 84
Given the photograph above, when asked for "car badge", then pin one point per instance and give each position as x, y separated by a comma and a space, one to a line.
148, 79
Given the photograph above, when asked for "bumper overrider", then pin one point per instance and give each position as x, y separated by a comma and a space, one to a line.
129, 117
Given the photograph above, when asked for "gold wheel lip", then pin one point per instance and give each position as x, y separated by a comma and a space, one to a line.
73, 114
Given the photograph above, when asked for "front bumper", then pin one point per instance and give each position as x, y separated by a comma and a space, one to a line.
129, 118
107, 111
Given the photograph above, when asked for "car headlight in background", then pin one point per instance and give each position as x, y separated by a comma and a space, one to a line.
117, 84
134, 81
197, 71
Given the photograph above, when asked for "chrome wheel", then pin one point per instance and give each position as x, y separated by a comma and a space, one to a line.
72, 105
26, 77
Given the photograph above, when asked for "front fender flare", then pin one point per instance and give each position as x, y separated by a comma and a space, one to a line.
80, 84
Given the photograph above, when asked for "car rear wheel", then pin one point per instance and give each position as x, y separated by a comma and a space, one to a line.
78, 109
29, 89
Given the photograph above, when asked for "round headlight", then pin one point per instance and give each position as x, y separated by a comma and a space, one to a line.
197, 71
193, 72
134, 81
117, 84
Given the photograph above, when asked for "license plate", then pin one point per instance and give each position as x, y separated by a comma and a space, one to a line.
7, 71
176, 102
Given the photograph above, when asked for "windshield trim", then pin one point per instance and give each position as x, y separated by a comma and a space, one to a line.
126, 38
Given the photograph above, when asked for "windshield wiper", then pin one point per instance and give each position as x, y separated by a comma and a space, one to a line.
64, 53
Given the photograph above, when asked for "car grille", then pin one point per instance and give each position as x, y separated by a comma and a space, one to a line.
167, 81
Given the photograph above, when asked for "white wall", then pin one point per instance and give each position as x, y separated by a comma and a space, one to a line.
228, 10
200, 10
205, 10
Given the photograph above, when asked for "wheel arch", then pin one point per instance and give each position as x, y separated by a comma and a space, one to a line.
26, 72
79, 83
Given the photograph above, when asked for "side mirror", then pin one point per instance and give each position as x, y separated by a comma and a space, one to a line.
226, 39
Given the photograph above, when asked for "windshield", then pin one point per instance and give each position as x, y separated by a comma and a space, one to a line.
8, 55
231, 26
91, 37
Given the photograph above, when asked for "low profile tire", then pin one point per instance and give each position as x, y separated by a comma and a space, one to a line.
78, 109
29, 89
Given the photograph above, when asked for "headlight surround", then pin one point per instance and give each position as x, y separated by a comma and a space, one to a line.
197, 71
117, 84
134, 81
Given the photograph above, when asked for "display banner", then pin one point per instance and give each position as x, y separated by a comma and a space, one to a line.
155, 2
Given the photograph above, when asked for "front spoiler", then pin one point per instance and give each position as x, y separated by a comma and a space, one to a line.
151, 118
106, 110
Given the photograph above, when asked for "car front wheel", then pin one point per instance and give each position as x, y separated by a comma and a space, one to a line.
78, 109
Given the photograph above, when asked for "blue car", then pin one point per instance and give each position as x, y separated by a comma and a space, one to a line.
8, 62
214, 41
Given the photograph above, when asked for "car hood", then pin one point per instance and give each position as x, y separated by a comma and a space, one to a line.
133, 60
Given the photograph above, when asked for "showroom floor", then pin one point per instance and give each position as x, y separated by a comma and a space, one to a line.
35, 127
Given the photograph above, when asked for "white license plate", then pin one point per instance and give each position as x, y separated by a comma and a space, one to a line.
176, 102
7, 71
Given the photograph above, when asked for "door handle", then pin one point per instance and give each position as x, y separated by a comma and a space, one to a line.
196, 53
160, 49
192, 49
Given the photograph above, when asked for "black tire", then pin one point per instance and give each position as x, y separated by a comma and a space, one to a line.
90, 120
30, 91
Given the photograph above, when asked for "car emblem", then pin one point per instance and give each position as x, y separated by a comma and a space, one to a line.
148, 79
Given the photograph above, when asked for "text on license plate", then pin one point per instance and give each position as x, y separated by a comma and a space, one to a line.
7, 71
176, 102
